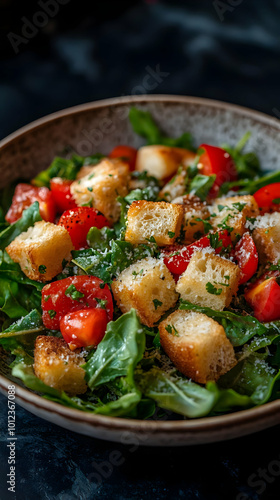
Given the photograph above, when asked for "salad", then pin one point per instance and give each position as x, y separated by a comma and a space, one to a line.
145, 283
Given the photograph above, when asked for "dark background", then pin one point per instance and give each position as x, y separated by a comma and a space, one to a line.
223, 50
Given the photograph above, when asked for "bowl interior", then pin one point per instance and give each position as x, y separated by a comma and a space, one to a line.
98, 127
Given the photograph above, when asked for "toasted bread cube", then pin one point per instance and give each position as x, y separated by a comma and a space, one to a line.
41, 250
59, 367
175, 187
194, 209
230, 219
267, 241
148, 287
250, 208
197, 345
159, 220
209, 280
101, 187
162, 161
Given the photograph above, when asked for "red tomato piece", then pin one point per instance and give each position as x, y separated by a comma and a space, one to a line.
127, 153
264, 298
217, 161
246, 255
62, 196
25, 195
78, 222
72, 294
178, 257
84, 328
268, 198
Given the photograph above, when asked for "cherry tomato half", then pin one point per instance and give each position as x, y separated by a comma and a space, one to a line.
25, 195
62, 196
264, 298
78, 222
268, 198
72, 294
217, 161
246, 255
178, 257
127, 153
84, 328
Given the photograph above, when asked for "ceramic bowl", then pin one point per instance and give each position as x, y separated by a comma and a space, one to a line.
99, 126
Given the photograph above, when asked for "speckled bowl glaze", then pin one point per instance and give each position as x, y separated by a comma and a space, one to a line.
99, 126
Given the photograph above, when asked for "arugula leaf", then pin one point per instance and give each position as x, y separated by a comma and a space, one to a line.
29, 216
177, 394
65, 168
239, 329
200, 185
252, 377
250, 186
247, 164
144, 125
113, 259
31, 323
118, 353
9, 299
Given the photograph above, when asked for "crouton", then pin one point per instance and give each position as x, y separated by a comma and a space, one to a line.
175, 187
59, 367
197, 345
229, 217
245, 204
209, 280
101, 187
267, 241
159, 220
194, 209
41, 250
162, 161
148, 287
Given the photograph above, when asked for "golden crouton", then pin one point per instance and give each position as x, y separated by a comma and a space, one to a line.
197, 345
41, 250
59, 367
175, 187
245, 204
194, 209
101, 187
209, 280
229, 218
148, 287
159, 220
162, 161
267, 241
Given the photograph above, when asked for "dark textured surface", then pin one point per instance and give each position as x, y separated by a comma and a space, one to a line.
83, 55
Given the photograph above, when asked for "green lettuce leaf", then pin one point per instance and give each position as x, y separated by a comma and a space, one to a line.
29, 216
144, 125
177, 394
118, 353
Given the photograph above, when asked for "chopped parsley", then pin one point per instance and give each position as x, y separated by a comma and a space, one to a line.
210, 288
51, 313
172, 330
102, 303
157, 303
171, 234
74, 293
42, 269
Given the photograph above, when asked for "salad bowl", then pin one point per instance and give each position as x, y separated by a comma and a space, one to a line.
97, 127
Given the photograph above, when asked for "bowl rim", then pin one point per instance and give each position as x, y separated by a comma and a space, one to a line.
225, 421
131, 99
